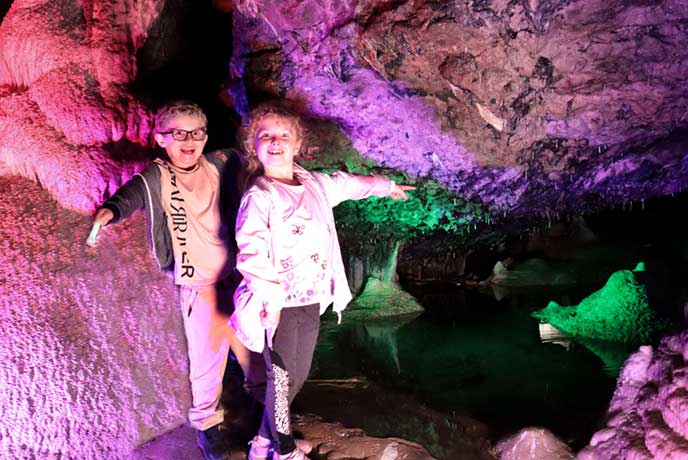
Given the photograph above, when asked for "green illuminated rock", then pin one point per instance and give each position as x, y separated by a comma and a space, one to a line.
430, 207
618, 312
382, 299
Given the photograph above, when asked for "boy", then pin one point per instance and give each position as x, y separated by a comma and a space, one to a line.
181, 196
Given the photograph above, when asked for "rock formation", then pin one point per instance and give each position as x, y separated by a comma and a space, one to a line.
647, 418
93, 356
531, 107
618, 312
67, 117
533, 444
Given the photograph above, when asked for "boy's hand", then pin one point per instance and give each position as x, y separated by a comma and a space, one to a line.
399, 191
103, 216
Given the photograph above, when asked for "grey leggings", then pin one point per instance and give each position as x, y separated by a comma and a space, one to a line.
287, 366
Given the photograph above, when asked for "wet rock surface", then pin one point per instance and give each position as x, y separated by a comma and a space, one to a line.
361, 404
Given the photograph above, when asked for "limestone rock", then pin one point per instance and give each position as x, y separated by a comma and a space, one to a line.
80, 176
533, 444
532, 107
88, 370
335, 442
382, 299
68, 119
618, 312
646, 418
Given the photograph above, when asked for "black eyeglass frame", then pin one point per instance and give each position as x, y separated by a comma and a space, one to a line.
186, 134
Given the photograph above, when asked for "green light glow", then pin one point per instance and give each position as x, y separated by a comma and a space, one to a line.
430, 207
382, 299
618, 312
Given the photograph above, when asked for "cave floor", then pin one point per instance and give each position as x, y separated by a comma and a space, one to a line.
351, 404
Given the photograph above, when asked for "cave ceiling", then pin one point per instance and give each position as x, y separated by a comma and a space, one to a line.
529, 108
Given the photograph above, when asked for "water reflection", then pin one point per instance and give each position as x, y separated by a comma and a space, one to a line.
550, 334
612, 354
483, 358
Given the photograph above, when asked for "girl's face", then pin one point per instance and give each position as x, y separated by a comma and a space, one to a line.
276, 143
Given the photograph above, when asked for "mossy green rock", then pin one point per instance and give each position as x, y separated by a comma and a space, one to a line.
618, 312
382, 299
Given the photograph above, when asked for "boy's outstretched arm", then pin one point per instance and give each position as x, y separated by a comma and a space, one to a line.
128, 198
123, 203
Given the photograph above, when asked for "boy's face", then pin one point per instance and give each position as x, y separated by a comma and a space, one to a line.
183, 153
276, 143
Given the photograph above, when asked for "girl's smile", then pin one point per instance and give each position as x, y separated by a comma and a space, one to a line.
276, 145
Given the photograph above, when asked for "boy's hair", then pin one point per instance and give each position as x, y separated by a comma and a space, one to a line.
252, 167
172, 109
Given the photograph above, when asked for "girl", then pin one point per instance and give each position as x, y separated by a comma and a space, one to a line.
290, 259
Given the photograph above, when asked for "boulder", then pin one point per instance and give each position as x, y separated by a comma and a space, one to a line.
533, 444
618, 312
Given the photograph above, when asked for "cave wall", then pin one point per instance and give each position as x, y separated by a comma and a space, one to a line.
67, 119
646, 419
93, 356
533, 107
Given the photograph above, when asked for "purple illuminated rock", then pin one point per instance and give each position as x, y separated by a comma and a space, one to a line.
532, 107
648, 415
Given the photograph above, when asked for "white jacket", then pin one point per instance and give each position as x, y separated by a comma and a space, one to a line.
260, 214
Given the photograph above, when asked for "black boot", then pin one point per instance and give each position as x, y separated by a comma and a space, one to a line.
213, 443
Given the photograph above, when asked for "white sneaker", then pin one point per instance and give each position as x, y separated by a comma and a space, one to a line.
296, 454
303, 445
260, 448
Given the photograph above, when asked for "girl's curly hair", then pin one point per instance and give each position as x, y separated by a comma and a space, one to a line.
252, 167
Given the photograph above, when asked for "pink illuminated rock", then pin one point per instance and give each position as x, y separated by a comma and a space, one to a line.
533, 444
92, 356
647, 417
78, 175
88, 115
64, 67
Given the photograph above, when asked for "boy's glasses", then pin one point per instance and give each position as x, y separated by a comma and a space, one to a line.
182, 134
